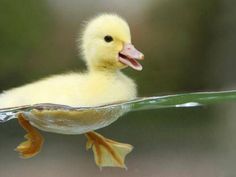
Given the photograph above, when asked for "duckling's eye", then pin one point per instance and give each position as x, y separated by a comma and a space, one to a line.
108, 38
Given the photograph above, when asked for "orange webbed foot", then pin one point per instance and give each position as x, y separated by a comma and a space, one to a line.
107, 152
34, 142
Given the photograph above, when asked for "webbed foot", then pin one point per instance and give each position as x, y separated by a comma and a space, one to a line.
34, 142
107, 152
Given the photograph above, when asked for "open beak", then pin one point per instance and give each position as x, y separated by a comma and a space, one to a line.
129, 56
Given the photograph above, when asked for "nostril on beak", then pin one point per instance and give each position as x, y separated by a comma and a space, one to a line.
141, 57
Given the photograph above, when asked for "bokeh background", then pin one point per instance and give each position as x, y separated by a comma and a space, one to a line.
189, 46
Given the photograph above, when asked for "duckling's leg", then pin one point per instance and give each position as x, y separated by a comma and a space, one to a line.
107, 152
34, 142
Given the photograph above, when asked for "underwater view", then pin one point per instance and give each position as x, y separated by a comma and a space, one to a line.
179, 55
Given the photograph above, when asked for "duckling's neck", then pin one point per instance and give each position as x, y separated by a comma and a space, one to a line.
104, 68
103, 71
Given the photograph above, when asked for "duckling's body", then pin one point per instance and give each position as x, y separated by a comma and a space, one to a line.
74, 89
106, 47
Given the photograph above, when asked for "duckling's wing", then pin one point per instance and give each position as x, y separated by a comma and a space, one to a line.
58, 89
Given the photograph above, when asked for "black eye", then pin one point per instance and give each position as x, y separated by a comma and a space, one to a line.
108, 38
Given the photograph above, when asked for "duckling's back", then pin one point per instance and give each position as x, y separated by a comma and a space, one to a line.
73, 89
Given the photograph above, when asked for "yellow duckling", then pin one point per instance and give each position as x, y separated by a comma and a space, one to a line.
106, 47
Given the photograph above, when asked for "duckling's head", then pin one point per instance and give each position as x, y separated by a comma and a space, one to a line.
106, 44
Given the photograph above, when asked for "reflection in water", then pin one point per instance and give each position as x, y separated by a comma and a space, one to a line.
190, 104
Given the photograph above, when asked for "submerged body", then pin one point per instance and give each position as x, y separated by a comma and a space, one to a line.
73, 121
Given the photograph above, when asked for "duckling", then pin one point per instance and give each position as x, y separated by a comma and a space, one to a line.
106, 48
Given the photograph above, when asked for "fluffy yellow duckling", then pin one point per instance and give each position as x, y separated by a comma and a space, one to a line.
106, 47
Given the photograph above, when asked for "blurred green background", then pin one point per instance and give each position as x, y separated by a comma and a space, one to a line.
189, 46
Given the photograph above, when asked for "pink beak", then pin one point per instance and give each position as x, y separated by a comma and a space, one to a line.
129, 56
